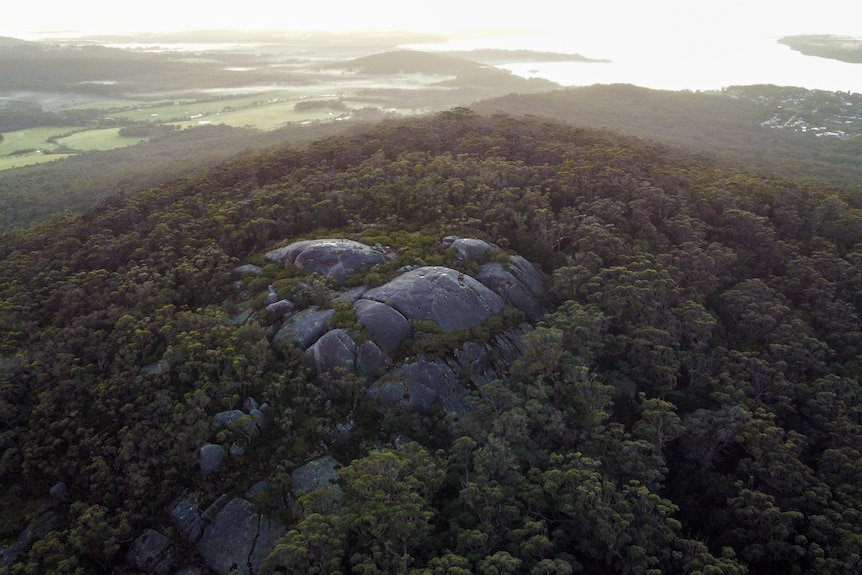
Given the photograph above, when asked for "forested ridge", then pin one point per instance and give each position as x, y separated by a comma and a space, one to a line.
691, 406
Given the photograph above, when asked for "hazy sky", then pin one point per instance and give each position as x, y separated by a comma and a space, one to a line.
612, 17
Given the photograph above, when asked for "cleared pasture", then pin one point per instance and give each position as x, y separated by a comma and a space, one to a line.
102, 139
264, 117
210, 101
31, 139
109, 104
275, 115
171, 108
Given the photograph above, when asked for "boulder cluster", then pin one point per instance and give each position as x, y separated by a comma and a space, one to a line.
228, 533
449, 299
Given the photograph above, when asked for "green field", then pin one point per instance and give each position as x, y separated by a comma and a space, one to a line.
103, 139
31, 139
262, 110
108, 104
265, 117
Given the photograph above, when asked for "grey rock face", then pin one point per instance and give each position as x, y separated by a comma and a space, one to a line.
349, 296
334, 352
225, 419
238, 420
420, 385
158, 368
38, 527
238, 539
185, 515
316, 474
467, 248
371, 359
258, 417
334, 259
211, 458
529, 276
248, 268
424, 383
386, 325
281, 307
520, 285
303, 329
150, 553
452, 300
59, 491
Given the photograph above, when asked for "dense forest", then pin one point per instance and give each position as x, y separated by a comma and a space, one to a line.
692, 404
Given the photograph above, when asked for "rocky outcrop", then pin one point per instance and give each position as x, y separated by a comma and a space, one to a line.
151, 552
386, 326
520, 284
423, 383
334, 353
211, 458
247, 425
303, 328
371, 359
419, 386
248, 269
335, 259
230, 536
467, 248
185, 515
318, 474
451, 299
281, 307
38, 527
238, 539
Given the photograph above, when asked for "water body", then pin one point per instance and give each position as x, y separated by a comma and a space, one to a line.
701, 60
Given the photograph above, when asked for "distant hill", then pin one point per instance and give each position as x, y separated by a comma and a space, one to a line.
410, 62
466, 73
843, 48
9, 41
492, 56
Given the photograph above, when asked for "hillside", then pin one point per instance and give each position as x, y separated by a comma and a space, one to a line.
35, 193
790, 132
684, 400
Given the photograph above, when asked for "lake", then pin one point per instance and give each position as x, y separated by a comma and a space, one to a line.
697, 60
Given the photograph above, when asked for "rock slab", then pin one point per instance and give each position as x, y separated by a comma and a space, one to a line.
451, 299
335, 259
238, 539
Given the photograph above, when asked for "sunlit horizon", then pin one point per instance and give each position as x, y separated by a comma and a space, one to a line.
619, 19
671, 44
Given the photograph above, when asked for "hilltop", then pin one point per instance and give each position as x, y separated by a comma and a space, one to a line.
190, 377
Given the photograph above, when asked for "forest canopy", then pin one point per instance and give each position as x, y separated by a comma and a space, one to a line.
692, 405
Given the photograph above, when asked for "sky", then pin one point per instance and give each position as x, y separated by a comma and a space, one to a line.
634, 18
